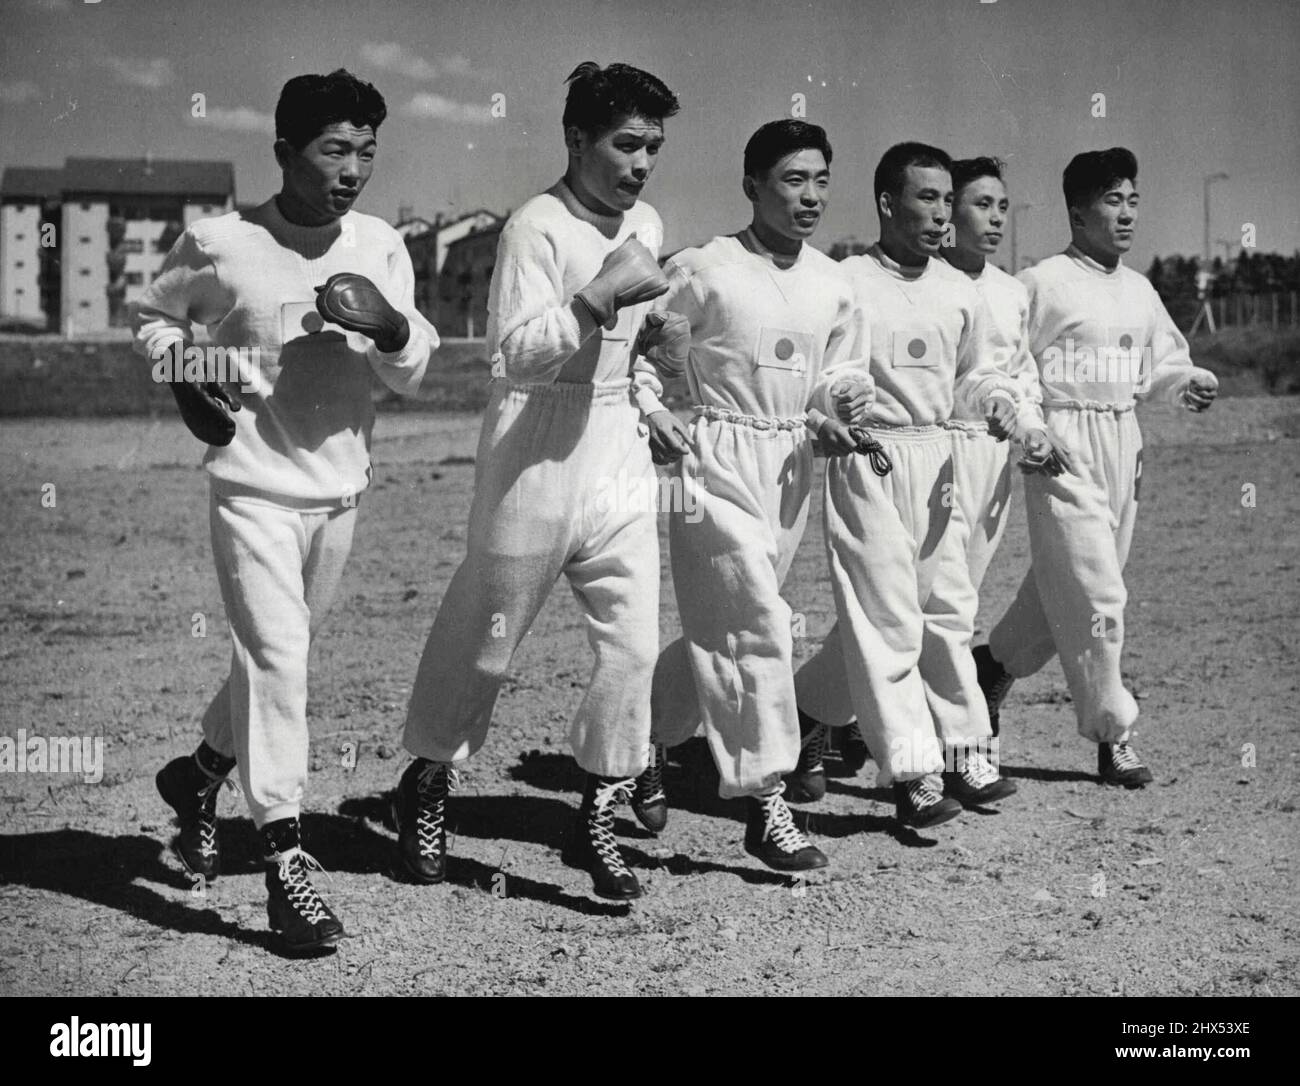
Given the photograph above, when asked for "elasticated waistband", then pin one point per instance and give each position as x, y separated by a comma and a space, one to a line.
918, 434
965, 426
226, 490
588, 392
753, 422
1088, 405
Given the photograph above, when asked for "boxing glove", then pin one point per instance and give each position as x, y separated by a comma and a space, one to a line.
203, 409
629, 275
665, 340
354, 302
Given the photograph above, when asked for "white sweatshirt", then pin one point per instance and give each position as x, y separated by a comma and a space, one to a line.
931, 344
1007, 300
1102, 335
550, 249
766, 341
304, 430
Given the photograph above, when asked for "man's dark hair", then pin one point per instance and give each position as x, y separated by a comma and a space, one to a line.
893, 165
311, 103
966, 170
602, 98
776, 139
1091, 173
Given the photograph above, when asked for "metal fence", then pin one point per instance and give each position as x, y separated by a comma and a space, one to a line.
1273, 309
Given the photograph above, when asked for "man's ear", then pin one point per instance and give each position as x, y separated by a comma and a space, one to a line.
283, 149
885, 205
575, 140
747, 186
1076, 219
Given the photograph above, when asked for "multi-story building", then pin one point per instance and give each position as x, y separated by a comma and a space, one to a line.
115, 221
464, 281
430, 245
29, 201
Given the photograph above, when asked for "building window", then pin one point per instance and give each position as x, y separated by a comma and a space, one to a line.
19, 290
85, 207
20, 237
84, 239
207, 209
19, 264
133, 245
85, 271
84, 304
134, 279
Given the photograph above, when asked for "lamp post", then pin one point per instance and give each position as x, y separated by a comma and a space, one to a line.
1209, 180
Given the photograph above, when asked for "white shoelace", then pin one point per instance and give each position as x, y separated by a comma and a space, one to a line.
978, 772
923, 792
429, 818
1124, 757
208, 813
779, 823
296, 877
650, 785
602, 823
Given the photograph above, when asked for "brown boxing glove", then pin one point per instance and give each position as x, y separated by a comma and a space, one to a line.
354, 302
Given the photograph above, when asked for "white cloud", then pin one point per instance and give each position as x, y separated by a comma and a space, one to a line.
240, 119
153, 73
19, 91
440, 108
393, 56
50, 5
459, 64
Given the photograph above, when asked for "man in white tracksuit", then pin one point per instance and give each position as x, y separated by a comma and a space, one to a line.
903, 593
287, 475
981, 466
574, 276
1102, 341
772, 326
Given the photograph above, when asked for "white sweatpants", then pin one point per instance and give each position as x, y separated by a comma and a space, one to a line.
899, 656
745, 495
1072, 599
981, 477
563, 484
279, 569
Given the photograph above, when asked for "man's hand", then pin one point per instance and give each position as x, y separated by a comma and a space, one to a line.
1201, 391
1044, 454
354, 302
665, 340
669, 439
852, 397
835, 438
1000, 414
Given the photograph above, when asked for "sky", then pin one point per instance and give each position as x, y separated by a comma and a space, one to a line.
1193, 87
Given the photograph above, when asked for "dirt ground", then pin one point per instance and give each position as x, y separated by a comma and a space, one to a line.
1187, 887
